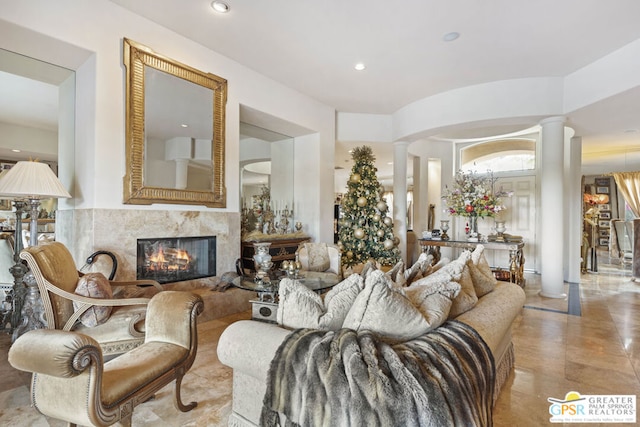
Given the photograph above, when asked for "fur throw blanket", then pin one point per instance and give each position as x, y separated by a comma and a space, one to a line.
342, 378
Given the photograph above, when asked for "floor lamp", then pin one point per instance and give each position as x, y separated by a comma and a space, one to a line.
29, 182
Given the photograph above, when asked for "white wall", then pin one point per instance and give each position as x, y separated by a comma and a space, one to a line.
93, 31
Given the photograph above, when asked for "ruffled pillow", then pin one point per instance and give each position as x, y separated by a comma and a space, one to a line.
483, 279
433, 298
94, 285
388, 313
466, 298
419, 269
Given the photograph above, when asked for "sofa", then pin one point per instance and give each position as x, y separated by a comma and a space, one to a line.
249, 347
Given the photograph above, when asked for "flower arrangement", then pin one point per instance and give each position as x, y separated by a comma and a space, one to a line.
472, 195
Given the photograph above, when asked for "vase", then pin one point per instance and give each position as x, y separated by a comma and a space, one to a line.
262, 258
473, 228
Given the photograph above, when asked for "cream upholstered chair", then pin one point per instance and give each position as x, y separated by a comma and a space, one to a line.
55, 272
71, 382
320, 260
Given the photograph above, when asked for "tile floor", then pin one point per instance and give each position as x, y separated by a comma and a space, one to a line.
596, 353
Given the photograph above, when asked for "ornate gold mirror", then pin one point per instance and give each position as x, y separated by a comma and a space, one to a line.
175, 131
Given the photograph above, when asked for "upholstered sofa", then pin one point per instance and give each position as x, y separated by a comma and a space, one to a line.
249, 347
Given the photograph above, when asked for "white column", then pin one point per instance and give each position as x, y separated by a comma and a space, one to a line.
182, 170
573, 219
400, 195
420, 194
552, 207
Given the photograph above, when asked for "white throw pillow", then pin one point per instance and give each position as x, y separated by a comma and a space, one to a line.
318, 255
380, 309
433, 298
339, 300
483, 279
300, 307
466, 298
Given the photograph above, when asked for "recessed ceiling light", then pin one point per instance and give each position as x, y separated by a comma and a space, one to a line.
449, 37
184, 125
220, 6
15, 150
359, 66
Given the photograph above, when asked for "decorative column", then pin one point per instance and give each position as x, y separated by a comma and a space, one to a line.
574, 210
400, 195
420, 192
182, 172
552, 210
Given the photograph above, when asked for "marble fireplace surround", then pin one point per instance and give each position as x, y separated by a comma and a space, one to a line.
85, 231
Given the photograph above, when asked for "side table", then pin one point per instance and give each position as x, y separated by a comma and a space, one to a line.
280, 250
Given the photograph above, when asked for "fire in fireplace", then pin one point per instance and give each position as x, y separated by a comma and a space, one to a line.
174, 259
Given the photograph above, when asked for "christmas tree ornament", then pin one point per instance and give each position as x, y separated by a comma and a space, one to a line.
388, 244
396, 241
376, 217
355, 178
380, 233
359, 233
381, 206
349, 254
362, 201
387, 221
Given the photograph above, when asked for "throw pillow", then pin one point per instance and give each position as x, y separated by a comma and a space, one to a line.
483, 278
433, 298
318, 256
467, 297
339, 300
299, 306
418, 268
384, 311
94, 285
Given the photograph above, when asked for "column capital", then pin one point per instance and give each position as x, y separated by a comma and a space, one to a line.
401, 143
554, 119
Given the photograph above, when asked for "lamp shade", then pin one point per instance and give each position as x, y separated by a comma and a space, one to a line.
31, 180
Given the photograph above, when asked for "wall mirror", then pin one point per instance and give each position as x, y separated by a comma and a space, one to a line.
266, 160
175, 143
36, 122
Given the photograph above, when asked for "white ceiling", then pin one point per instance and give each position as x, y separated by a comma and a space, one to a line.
312, 47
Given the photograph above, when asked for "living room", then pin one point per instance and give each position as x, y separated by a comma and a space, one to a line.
92, 159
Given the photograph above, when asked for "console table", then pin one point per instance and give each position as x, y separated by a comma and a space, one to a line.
280, 250
516, 255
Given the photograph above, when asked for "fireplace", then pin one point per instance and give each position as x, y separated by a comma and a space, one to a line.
174, 259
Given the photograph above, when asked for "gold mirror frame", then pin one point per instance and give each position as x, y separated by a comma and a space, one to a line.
136, 57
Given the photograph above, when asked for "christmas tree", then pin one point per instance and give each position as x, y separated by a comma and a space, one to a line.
366, 232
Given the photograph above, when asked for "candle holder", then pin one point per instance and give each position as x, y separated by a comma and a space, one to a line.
500, 229
444, 226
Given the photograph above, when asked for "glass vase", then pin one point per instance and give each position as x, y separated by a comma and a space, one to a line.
473, 228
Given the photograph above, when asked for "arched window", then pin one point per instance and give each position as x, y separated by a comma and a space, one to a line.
513, 154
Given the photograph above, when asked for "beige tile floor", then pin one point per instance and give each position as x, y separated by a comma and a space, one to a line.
596, 353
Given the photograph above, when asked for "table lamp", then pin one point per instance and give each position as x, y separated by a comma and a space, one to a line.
33, 181
29, 182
